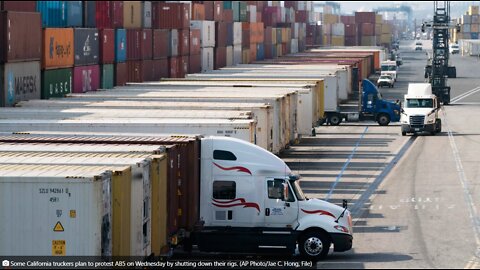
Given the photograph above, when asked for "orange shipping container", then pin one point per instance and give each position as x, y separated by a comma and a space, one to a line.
253, 51
198, 12
57, 48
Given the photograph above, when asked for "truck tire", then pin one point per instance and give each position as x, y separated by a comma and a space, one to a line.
438, 126
383, 119
335, 120
404, 133
314, 245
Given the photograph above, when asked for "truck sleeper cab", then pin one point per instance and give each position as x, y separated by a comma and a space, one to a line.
251, 202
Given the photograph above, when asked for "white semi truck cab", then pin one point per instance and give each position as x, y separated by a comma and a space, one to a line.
250, 201
389, 68
420, 111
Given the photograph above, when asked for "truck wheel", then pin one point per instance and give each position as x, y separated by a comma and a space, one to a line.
314, 245
438, 126
383, 119
335, 120
404, 133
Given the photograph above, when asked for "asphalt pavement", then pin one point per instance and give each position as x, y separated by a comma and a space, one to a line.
414, 199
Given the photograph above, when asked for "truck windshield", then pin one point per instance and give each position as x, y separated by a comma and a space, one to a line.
419, 103
298, 191
389, 68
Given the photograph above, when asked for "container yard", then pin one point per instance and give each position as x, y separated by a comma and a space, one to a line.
237, 134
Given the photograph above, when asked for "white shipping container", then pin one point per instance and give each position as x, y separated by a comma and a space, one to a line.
78, 147
253, 13
466, 28
68, 211
237, 54
466, 19
229, 56
147, 14
283, 14
207, 59
173, 34
338, 29
237, 33
207, 32
294, 45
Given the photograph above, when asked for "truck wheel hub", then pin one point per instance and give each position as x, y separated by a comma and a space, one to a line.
313, 246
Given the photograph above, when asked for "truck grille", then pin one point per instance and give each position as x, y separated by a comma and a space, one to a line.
417, 120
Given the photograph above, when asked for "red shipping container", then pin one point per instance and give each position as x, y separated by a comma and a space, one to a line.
301, 16
86, 78
195, 63
366, 29
290, 4
220, 57
268, 50
208, 10
218, 11
121, 72
345, 19
160, 43
21, 6
310, 41
220, 34
109, 14
107, 46
134, 72
183, 66
245, 35
183, 42
351, 41
253, 52
259, 17
228, 15
170, 15
267, 35
311, 30
198, 12
160, 68
350, 30
284, 49
364, 17
271, 16
148, 71
195, 42
117, 14
173, 67
134, 47
147, 44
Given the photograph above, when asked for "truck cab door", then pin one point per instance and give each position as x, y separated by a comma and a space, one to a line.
369, 102
280, 212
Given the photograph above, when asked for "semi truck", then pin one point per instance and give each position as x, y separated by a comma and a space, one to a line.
243, 195
371, 106
421, 109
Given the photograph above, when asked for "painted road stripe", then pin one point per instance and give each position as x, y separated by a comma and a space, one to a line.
464, 95
359, 204
339, 176
472, 209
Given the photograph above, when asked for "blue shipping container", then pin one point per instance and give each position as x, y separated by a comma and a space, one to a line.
54, 13
74, 13
474, 35
260, 51
120, 45
90, 21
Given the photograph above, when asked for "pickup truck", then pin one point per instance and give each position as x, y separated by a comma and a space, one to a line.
386, 80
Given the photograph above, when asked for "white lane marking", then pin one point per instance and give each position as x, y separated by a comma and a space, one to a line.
359, 204
472, 209
330, 192
464, 95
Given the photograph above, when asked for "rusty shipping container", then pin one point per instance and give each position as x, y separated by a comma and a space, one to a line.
221, 34
366, 29
183, 42
132, 14
220, 57
86, 78
198, 12
173, 67
148, 71
134, 71
121, 73
20, 36
134, 46
195, 47
195, 63
160, 68
86, 46
22, 6
365, 17
107, 46
170, 15
58, 48
103, 14
18, 82
147, 44
183, 66
161, 43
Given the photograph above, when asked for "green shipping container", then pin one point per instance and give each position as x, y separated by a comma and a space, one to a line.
227, 4
107, 77
56, 82
243, 11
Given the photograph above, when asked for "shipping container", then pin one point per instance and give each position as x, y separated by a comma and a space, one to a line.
365, 17
20, 36
58, 48
86, 46
207, 59
19, 81
147, 44
220, 57
173, 43
134, 46
21, 6
103, 14
120, 45
107, 76
183, 42
134, 71
229, 55
230, 34
170, 15
195, 63
56, 83
173, 67
161, 48
116, 13
53, 13
220, 34
237, 33
338, 29
74, 13
228, 16
160, 68
86, 78
198, 12
207, 30
148, 71
366, 29
107, 46
132, 14
147, 14
121, 73
182, 66
195, 47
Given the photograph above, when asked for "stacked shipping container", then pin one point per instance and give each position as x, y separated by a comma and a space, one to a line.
469, 25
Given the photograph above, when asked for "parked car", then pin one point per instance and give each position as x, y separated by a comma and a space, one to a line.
454, 48
386, 80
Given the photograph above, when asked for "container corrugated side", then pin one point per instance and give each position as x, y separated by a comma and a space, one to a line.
86, 46
107, 76
58, 48
86, 78
107, 46
120, 45
132, 14
56, 82
19, 81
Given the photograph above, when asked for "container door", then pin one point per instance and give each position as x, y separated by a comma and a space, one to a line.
279, 211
